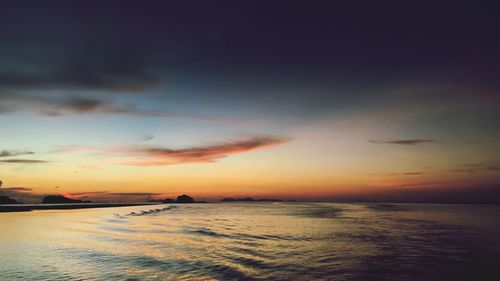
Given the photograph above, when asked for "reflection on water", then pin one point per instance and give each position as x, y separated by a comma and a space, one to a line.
254, 241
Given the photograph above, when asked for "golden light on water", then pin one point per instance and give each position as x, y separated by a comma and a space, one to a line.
241, 241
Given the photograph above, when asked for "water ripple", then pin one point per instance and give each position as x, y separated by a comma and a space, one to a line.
255, 242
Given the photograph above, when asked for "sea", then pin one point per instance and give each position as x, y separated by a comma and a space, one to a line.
254, 241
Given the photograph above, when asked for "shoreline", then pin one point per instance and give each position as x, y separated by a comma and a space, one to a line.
65, 206
9, 208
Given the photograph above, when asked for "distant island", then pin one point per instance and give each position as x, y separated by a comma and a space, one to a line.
60, 202
59, 199
250, 199
180, 199
7, 200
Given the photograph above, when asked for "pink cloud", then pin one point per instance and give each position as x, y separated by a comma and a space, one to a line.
160, 156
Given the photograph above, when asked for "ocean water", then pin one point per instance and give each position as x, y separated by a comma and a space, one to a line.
254, 241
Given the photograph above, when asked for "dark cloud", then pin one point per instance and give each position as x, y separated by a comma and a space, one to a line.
64, 50
24, 161
18, 189
66, 104
79, 79
489, 166
147, 138
86, 105
22, 194
9, 153
59, 105
399, 174
402, 141
293, 54
83, 105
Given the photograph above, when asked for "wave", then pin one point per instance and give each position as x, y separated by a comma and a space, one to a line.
244, 236
387, 207
205, 232
319, 212
149, 212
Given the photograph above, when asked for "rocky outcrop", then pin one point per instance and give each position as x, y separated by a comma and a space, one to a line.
7, 200
184, 199
57, 199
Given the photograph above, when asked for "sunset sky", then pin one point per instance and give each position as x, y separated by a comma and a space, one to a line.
122, 100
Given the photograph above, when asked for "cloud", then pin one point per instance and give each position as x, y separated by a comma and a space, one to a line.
490, 166
9, 153
413, 173
402, 141
107, 196
69, 78
83, 104
160, 156
28, 195
97, 59
24, 161
399, 174
146, 138
117, 51
23, 194
87, 193
13, 153
60, 105
18, 189
201, 154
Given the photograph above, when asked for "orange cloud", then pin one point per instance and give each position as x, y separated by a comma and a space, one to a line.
159, 156
201, 154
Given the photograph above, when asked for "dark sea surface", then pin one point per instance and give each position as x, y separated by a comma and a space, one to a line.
254, 241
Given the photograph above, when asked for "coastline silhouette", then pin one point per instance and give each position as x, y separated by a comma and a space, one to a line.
7, 200
55, 199
60, 202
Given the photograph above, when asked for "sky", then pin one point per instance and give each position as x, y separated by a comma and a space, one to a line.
354, 101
